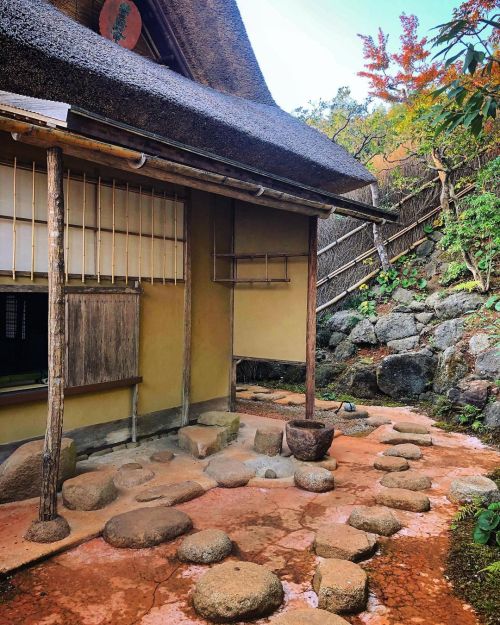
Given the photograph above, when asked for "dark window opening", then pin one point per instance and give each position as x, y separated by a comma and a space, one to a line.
23, 339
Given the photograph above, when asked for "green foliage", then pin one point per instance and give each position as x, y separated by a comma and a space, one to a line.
471, 416
367, 308
442, 407
455, 270
469, 286
488, 525
493, 303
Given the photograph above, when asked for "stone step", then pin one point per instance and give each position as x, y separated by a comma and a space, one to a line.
408, 427
229, 420
202, 440
402, 499
397, 438
344, 542
172, 494
375, 519
391, 463
404, 450
341, 586
89, 491
410, 480
308, 616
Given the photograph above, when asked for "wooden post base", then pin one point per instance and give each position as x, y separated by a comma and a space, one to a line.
48, 531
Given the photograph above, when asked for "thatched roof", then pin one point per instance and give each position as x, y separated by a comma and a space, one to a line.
45, 54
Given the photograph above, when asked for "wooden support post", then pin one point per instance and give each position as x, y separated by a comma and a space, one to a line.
378, 239
186, 365
311, 317
55, 409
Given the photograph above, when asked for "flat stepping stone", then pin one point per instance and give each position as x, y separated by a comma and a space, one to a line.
130, 466
329, 465
268, 441
292, 400
396, 438
378, 421
408, 427
164, 456
229, 473
229, 420
375, 519
341, 586
404, 450
201, 440
172, 494
308, 616
315, 479
402, 499
237, 591
89, 491
129, 478
391, 463
146, 527
344, 542
268, 396
466, 489
411, 480
347, 415
205, 547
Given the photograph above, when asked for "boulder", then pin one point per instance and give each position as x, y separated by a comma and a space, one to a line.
268, 441
146, 527
205, 547
417, 306
404, 345
375, 519
403, 296
344, 542
341, 586
405, 375
130, 466
473, 392
344, 350
488, 364
378, 421
395, 326
308, 616
397, 438
391, 463
359, 380
163, 456
237, 591
229, 473
457, 304
326, 373
315, 479
448, 333
403, 499
409, 427
21, 473
466, 489
294, 374
479, 343
132, 477
172, 494
322, 337
363, 334
491, 415
336, 338
411, 480
452, 367
404, 450
228, 420
425, 248
201, 440
89, 491
424, 317
344, 320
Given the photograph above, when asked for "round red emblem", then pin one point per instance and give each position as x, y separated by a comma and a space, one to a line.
121, 22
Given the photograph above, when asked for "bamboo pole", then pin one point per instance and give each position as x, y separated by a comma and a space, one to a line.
343, 238
378, 239
32, 272
311, 317
14, 215
186, 365
56, 351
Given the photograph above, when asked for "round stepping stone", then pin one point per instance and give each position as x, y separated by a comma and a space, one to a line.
404, 450
132, 477
408, 427
341, 586
377, 421
268, 441
344, 542
346, 415
315, 479
229, 473
465, 489
236, 591
172, 494
403, 499
411, 480
329, 465
396, 438
308, 616
391, 463
89, 491
146, 527
130, 466
163, 456
375, 519
205, 547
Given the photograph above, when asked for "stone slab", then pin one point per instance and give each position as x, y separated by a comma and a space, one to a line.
202, 440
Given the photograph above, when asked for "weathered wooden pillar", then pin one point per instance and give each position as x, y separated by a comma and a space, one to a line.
186, 366
378, 239
311, 317
50, 526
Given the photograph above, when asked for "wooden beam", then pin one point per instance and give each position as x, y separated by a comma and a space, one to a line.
55, 408
186, 361
311, 317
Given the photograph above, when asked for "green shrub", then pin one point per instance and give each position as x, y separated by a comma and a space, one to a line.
454, 271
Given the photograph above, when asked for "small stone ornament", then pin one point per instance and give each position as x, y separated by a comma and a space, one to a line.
349, 407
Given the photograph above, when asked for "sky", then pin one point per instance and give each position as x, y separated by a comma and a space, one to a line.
307, 49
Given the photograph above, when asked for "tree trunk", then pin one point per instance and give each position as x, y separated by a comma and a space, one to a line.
311, 317
378, 240
55, 412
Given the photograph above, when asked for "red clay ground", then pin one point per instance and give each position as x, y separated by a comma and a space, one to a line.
95, 584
